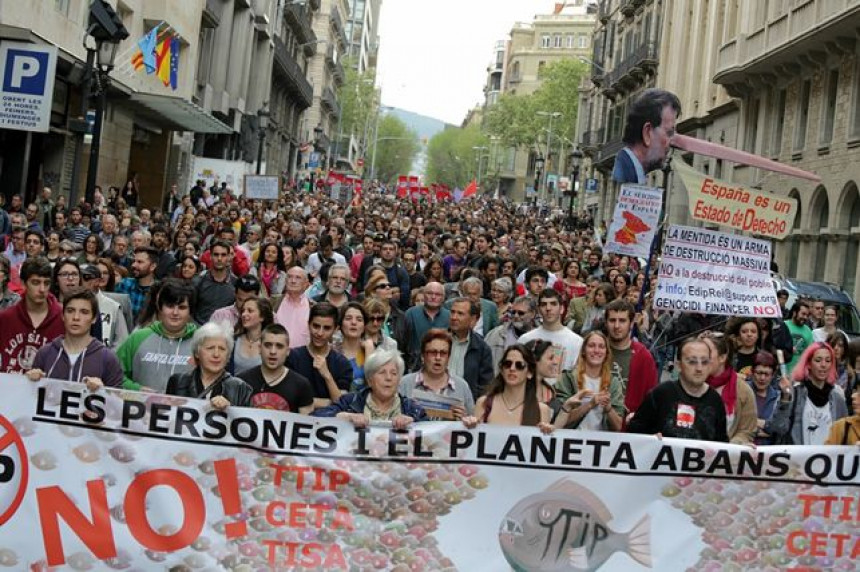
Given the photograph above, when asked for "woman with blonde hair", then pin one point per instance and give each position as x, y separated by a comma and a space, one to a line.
595, 389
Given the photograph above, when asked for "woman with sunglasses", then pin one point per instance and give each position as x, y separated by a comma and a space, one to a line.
376, 311
816, 404
511, 397
596, 391
380, 288
738, 398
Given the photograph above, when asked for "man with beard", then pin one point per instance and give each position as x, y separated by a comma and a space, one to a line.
336, 283
166, 263
638, 370
143, 277
523, 312
647, 134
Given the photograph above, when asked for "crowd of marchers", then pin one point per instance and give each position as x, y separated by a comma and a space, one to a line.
389, 310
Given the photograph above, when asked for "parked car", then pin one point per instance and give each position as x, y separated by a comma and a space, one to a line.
832, 294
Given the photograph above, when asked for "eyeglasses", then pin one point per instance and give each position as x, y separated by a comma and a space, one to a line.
376, 319
764, 373
518, 365
518, 313
694, 362
68, 275
436, 353
382, 286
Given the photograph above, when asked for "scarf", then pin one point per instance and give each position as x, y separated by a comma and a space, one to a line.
267, 277
818, 396
728, 380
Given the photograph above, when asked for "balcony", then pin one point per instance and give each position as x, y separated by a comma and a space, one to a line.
797, 40
293, 74
298, 18
212, 13
329, 100
632, 70
335, 65
603, 11
606, 153
591, 140
337, 24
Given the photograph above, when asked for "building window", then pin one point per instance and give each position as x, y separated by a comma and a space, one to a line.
829, 107
541, 69
583, 41
752, 125
778, 120
570, 41
556, 41
855, 113
545, 41
802, 115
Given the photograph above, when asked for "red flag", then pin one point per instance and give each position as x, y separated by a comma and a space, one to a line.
402, 186
413, 188
470, 190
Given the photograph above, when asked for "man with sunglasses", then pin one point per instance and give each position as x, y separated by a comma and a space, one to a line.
687, 408
522, 320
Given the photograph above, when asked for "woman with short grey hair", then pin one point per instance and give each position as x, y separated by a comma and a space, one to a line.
501, 293
211, 347
379, 400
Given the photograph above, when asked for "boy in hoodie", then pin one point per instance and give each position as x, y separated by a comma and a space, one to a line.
76, 355
152, 354
31, 323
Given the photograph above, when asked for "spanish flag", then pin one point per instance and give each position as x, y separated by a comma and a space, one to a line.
162, 60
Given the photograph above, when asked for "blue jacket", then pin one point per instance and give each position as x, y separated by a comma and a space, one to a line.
771, 402
355, 402
478, 365
624, 171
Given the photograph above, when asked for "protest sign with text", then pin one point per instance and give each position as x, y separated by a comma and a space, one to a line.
733, 205
125, 480
712, 272
637, 214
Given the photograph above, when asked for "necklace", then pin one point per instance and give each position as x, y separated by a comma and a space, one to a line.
508, 407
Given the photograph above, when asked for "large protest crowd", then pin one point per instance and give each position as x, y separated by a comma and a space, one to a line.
387, 310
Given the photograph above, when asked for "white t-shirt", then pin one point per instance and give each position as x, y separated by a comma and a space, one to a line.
315, 262
816, 423
593, 420
569, 342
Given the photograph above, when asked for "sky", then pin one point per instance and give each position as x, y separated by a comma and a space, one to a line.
433, 54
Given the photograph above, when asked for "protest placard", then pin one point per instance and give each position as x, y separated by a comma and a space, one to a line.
712, 272
736, 206
125, 480
636, 217
262, 187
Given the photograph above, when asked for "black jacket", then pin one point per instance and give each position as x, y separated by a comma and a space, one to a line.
233, 389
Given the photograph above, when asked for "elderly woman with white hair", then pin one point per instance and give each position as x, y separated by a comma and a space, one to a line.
211, 348
379, 400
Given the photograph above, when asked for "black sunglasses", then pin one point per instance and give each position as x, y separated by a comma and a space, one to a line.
518, 365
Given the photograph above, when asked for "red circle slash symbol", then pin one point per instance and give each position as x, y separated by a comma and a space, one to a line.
13, 470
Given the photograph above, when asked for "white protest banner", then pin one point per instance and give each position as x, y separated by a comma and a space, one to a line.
712, 272
636, 217
26, 85
124, 480
263, 187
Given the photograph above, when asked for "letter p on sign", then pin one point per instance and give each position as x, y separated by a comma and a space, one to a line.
25, 72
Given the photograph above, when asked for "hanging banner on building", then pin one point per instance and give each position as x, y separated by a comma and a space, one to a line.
124, 480
26, 85
735, 206
636, 218
711, 272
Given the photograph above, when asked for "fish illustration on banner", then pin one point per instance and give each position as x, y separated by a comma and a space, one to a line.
566, 528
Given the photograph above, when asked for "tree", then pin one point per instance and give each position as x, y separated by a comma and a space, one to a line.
396, 148
514, 118
358, 101
451, 157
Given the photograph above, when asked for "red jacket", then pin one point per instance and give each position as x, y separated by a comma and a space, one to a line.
19, 340
642, 378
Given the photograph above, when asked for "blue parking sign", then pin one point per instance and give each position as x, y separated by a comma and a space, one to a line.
26, 85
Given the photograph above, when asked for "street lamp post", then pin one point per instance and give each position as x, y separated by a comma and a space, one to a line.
107, 30
551, 115
575, 160
262, 123
538, 170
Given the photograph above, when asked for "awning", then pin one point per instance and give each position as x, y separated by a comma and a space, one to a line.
178, 114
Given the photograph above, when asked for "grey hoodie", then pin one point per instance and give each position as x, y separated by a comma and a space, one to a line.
96, 361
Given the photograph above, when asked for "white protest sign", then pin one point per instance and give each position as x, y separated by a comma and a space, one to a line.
26, 85
261, 187
713, 272
637, 214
